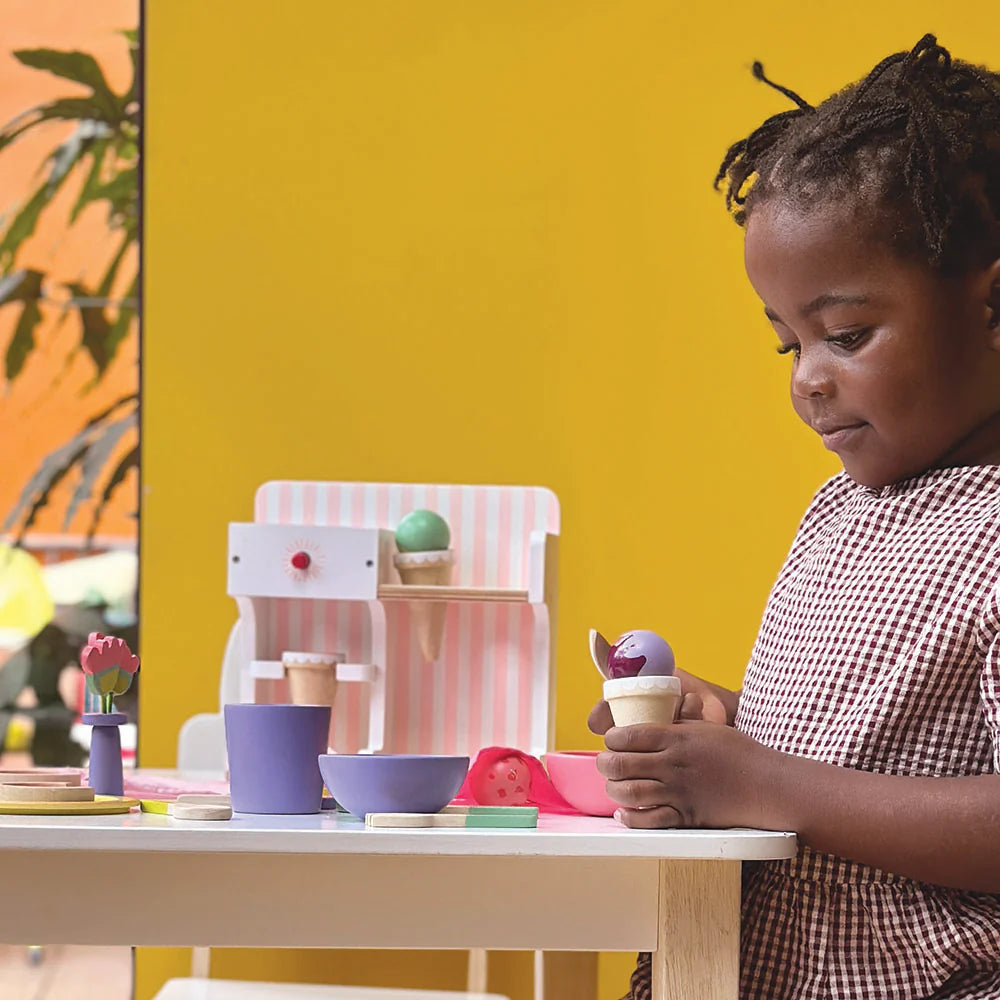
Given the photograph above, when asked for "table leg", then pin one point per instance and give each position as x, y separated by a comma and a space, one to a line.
567, 975
201, 963
698, 931
476, 979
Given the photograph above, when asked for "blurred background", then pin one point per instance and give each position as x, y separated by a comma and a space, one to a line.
435, 242
69, 349
69, 279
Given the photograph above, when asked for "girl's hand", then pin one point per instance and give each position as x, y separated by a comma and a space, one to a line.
690, 774
600, 721
699, 701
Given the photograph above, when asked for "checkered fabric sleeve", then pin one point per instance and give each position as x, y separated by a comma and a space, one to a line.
879, 650
989, 682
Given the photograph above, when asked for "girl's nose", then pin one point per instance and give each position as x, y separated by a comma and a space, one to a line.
811, 376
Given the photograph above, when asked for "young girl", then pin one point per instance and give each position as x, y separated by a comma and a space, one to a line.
869, 719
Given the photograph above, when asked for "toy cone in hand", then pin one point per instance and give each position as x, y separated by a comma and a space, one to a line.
637, 701
424, 560
640, 688
427, 569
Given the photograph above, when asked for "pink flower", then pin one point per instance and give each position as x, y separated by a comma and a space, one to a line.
109, 664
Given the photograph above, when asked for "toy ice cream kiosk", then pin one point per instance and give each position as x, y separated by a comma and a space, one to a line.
420, 647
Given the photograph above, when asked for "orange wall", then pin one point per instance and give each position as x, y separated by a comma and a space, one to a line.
48, 402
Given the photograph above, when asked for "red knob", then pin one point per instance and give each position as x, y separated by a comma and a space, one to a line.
301, 560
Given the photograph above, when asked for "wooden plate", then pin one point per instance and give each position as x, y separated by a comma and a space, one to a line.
103, 805
45, 792
39, 776
194, 799
193, 811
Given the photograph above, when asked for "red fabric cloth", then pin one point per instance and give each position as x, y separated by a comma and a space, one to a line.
540, 791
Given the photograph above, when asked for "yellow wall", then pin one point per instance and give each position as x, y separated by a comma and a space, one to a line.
461, 242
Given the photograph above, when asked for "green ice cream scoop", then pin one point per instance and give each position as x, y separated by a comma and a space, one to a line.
422, 531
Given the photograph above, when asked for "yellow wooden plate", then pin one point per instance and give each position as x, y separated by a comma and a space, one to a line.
103, 805
155, 806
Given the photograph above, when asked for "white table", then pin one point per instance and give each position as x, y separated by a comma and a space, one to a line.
574, 884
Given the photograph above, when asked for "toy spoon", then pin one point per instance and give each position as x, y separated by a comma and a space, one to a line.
600, 650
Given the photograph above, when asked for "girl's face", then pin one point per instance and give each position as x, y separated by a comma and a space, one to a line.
896, 367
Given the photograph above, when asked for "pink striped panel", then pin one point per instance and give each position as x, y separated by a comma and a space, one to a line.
537, 517
479, 691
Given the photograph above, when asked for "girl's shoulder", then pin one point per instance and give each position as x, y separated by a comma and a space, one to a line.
973, 487
829, 498
961, 498
834, 491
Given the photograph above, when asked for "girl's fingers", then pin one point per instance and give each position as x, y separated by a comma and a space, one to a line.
629, 766
658, 818
692, 707
600, 720
641, 739
713, 710
641, 794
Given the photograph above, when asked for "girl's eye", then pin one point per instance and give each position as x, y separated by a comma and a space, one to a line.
789, 349
850, 339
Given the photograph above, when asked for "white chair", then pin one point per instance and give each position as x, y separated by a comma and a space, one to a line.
229, 989
201, 743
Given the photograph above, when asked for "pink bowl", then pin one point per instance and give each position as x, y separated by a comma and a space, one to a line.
577, 780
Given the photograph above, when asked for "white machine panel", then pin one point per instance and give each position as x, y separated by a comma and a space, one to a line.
295, 560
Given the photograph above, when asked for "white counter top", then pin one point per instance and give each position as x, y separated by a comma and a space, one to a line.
330, 833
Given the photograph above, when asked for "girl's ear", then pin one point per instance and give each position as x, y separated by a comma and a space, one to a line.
993, 303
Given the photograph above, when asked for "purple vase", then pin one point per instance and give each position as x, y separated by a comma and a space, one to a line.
274, 757
106, 776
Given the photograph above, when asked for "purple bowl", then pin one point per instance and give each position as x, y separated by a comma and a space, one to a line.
408, 783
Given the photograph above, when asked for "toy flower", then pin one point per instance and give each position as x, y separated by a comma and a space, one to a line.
109, 665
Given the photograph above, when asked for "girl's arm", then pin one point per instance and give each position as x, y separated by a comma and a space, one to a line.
939, 830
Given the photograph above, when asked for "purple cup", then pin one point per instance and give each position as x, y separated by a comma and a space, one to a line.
273, 751
410, 783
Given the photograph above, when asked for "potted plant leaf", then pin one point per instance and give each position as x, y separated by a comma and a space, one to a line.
100, 156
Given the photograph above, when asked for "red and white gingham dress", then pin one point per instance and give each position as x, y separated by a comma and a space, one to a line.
879, 650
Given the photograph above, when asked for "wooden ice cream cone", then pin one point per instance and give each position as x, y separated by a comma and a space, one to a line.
636, 701
427, 569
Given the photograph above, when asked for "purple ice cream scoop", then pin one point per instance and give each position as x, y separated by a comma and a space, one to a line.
640, 653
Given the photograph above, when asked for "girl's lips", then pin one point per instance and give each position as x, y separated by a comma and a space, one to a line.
841, 437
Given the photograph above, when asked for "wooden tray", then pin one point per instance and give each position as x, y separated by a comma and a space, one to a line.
103, 805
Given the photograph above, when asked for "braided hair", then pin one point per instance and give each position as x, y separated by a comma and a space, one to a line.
915, 145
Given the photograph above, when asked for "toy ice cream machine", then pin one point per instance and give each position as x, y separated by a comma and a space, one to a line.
276, 574
424, 639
